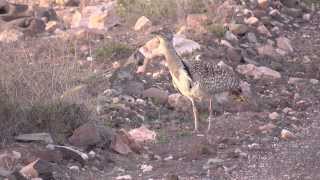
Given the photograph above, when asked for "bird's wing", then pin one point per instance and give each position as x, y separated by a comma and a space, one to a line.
213, 78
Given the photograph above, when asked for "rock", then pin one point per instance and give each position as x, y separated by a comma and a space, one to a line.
258, 72
287, 135
314, 81
196, 22
238, 29
143, 134
234, 55
307, 17
100, 17
284, 44
90, 134
296, 13
74, 168
124, 144
71, 153
263, 4
146, 168
231, 37
275, 13
44, 137
5, 173
274, 116
252, 21
142, 23
157, 94
252, 37
226, 43
124, 177
10, 35
179, 102
275, 30
266, 50
267, 128
51, 26
263, 30
30, 171
184, 46
213, 163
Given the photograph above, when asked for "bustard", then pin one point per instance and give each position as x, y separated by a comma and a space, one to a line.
197, 80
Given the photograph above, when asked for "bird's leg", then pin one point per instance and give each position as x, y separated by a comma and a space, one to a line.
195, 115
210, 117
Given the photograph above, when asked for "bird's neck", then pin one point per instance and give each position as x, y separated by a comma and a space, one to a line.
173, 60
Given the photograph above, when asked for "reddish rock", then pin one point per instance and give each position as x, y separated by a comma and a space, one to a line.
258, 72
251, 21
284, 44
263, 30
263, 4
266, 50
91, 134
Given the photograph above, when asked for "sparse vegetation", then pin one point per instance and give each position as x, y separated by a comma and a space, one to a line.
113, 50
33, 77
155, 9
217, 29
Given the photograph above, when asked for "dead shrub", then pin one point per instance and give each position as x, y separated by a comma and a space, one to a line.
33, 75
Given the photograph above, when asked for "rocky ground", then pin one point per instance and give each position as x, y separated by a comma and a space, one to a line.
73, 106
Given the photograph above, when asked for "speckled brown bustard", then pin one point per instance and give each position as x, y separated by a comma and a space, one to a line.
197, 80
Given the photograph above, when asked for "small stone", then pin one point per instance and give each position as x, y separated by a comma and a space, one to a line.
231, 37
284, 44
314, 81
274, 116
287, 135
294, 12
266, 49
252, 37
226, 43
168, 158
146, 168
92, 154
124, 177
275, 30
213, 163
274, 13
251, 21
74, 168
142, 23
263, 30
238, 29
287, 110
307, 17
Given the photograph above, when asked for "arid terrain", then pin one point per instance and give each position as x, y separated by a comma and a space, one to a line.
72, 105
